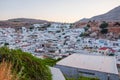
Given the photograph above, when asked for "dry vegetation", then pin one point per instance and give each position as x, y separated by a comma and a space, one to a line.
6, 72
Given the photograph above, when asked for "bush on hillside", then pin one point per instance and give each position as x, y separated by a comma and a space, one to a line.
25, 65
103, 27
50, 62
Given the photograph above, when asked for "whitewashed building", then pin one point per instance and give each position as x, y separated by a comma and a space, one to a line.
101, 67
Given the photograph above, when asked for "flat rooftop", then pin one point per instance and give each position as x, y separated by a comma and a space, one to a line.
105, 64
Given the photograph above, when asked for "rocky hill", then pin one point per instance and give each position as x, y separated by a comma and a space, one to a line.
112, 15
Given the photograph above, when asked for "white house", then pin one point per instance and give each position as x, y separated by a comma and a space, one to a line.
76, 65
106, 51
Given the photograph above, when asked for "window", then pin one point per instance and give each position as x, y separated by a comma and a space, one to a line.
86, 73
102, 52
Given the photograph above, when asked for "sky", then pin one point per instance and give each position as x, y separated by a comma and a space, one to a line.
55, 10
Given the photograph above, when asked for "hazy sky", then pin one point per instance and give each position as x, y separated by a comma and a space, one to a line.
55, 10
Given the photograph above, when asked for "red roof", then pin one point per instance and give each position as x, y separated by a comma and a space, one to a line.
105, 48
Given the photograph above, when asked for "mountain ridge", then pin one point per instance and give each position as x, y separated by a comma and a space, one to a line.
112, 15
26, 20
19, 22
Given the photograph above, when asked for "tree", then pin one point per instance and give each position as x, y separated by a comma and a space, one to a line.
87, 27
31, 28
71, 25
104, 31
6, 44
84, 35
103, 27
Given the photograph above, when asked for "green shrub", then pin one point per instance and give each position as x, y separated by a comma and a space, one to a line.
103, 27
27, 66
82, 78
50, 61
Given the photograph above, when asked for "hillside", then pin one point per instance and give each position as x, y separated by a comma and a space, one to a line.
112, 15
19, 22
27, 20
26, 66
